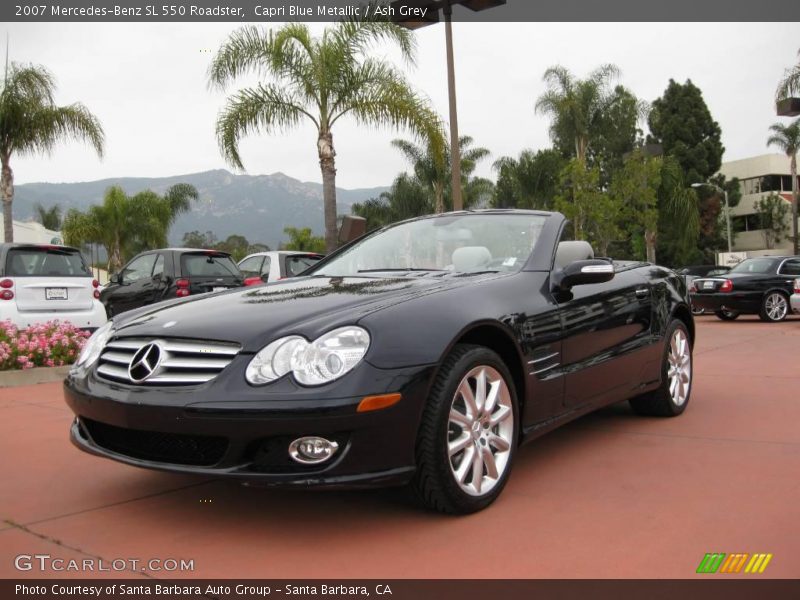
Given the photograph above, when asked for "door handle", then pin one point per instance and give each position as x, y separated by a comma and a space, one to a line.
642, 292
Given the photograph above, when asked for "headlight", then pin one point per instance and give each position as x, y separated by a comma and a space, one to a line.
312, 363
95, 344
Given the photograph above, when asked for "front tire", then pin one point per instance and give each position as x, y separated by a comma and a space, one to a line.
727, 315
468, 434
774, 307
672, 396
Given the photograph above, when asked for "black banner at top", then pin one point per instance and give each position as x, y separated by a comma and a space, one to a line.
272, 11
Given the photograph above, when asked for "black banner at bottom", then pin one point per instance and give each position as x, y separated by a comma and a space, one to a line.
398, 589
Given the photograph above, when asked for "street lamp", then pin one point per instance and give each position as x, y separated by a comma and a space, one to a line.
727, 208
431, 16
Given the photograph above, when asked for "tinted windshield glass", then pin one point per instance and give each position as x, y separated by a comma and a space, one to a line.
202, 265
297, 264
754, 265
45, 262
455, 243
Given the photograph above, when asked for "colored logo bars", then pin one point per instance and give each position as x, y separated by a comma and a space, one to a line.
734, 563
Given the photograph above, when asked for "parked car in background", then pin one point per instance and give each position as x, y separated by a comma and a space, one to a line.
759, 286
794, 300
158, 275
266, 267
693, 272
41, 282
423, 353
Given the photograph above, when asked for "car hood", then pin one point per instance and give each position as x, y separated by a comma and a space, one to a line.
307, 306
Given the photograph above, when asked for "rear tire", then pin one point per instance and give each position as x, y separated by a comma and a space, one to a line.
727, 315
774, 307
672, 396
468, 434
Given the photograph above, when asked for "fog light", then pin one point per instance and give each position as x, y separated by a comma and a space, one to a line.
312, 450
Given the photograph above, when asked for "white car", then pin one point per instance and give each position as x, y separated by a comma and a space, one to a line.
275, 265
42, 282
795, 297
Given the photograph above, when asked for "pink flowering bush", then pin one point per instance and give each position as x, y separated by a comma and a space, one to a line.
50, 344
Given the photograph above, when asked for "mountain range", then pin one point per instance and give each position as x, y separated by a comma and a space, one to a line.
255, 206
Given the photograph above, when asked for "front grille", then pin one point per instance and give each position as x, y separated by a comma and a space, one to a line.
175, 448
173, 362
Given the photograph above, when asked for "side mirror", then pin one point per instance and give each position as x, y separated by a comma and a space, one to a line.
265, 277
115, 278
157, 277
583, 272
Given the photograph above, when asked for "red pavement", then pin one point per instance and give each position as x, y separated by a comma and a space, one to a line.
611, 495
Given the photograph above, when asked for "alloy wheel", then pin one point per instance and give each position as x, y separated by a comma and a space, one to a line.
776, 307
679, 369
480, 430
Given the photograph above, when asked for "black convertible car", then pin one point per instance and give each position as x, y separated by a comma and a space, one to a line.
421, 354
759, 286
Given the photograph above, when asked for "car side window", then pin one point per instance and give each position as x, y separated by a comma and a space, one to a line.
251, 267
139, 268
158, 269
266, 267
791, 267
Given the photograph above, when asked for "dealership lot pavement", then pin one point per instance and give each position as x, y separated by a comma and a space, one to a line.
611, 495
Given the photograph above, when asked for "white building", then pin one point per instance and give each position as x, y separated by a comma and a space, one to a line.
32, 232
760, 176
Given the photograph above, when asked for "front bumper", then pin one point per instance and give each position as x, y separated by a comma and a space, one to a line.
736, 302
212, 430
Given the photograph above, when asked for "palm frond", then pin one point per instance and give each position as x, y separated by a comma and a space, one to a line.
267, 108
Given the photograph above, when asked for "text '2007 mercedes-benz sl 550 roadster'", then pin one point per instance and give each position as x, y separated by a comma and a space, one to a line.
423, 354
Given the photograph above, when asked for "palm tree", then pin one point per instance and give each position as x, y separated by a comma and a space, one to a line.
319, 79
790, 84
31, 123
50, 218
577, 106
432, 169
126, 225
787, 138
303, 239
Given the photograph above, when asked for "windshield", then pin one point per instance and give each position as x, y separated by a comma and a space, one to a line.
212, 265
754, 265
45, 262
454, 243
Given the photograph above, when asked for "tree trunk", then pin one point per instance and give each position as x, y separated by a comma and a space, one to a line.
439, 195
327, 164
7, 190
793, 170
650, 245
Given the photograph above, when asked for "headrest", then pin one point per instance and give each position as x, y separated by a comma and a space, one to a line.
569, 252
470, 258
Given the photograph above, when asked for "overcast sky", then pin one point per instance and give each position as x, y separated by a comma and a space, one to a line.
147, 85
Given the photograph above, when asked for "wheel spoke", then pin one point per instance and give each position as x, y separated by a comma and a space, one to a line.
491, 399
466, 464
458, 444
469, 398
500, 415
480, 389
499, 443
460, 419
477, 471
488, 462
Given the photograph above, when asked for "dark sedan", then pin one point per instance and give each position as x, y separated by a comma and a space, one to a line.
158, 275
424, 354
759, 286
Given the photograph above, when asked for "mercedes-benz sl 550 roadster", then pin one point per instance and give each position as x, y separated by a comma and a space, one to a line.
424, 354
